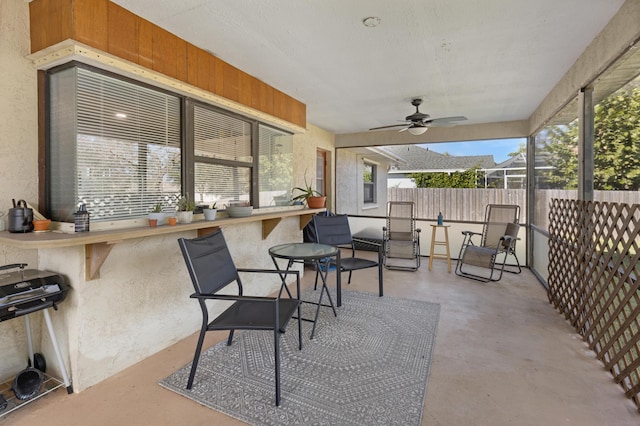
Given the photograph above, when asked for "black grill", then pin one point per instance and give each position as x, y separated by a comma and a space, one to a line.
29, 290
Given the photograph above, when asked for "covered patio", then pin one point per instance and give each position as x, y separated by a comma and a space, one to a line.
503, 356
503, 353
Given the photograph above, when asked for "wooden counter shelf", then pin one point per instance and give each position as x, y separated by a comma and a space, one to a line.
98, 244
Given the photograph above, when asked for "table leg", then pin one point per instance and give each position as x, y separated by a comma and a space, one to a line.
283, 277
323, 289
338, 281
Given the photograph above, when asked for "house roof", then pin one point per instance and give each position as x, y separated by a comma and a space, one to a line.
420, 159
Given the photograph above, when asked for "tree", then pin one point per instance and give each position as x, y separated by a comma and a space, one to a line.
560, 146
617, 141
616, 145
466, 179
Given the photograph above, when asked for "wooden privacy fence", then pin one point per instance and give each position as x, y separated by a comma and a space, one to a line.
593, 281
458, 204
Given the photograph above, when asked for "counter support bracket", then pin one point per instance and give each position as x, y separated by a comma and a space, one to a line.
95, 255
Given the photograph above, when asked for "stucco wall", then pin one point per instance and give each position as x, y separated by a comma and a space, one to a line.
18, 158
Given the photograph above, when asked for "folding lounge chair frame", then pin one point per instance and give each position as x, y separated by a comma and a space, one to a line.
401, 238
497, 242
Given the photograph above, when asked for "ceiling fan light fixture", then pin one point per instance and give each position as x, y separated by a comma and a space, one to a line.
417, 130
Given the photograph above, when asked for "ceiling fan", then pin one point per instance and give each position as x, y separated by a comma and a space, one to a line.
418, 123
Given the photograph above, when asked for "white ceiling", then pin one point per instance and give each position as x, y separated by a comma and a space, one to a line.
488, 60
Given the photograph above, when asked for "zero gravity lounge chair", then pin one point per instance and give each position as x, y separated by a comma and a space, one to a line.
486, 259
401, 238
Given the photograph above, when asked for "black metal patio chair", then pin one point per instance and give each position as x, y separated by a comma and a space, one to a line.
212, 269
335, 231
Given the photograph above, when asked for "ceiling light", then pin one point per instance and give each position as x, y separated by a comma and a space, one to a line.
417, 130
371, 21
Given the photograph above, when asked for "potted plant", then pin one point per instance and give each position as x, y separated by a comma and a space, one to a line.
185, 207
210, 212
157, 214
313, 198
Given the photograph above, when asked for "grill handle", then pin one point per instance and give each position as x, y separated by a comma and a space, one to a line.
13, 265
19, 312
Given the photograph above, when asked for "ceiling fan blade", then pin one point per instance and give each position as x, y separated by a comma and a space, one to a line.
445, 121
390, 126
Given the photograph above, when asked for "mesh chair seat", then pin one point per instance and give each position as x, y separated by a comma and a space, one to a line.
254, 315
355, 263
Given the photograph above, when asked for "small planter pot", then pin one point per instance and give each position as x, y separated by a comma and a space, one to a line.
159, 217
184, 217
172, 220
316, 202
153, 223
209, 214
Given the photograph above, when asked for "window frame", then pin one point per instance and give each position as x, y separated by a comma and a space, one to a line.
372, 186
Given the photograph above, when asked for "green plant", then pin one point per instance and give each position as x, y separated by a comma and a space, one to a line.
306, 192
157, 208
186, 204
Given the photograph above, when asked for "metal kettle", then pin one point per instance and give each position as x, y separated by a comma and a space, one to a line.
20, 217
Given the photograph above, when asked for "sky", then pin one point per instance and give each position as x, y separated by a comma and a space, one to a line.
499, 148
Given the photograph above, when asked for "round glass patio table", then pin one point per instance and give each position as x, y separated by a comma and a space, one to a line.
318, 253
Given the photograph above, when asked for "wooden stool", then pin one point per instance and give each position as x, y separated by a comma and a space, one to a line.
435, 242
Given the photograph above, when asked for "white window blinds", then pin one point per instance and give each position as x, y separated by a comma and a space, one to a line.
114, 145
223, 158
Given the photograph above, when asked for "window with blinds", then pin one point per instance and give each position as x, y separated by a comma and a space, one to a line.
223, 160
275, 150
114, 146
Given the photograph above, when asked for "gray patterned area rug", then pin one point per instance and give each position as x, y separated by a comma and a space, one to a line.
370, 365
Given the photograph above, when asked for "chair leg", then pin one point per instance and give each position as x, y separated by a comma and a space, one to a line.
276, 346
299, 328
230, 339
196, 356
380, 285
519, 268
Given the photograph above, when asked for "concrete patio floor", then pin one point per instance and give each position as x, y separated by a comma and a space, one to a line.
503, 356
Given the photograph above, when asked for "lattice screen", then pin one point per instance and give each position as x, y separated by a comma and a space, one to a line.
593, 281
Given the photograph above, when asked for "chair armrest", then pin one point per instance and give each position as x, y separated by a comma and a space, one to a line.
470, 233
268, 271
231, 297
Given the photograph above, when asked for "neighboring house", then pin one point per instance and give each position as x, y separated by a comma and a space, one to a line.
424, 160
362, 180
511, 173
